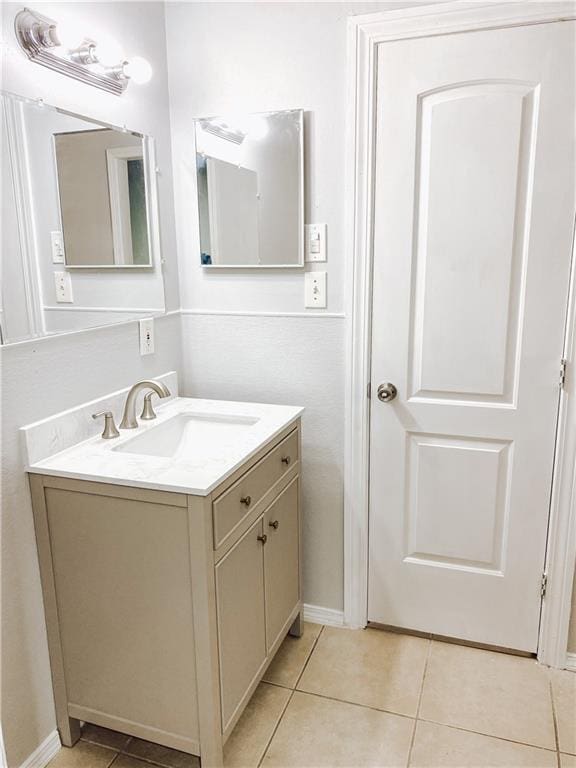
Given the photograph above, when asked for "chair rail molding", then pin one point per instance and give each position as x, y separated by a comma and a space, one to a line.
365, 33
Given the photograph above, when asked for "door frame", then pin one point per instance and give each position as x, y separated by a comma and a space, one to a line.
365, 33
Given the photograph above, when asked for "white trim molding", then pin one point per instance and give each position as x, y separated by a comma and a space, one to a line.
365, 34
44, 752
319, 615
313, 315
570, 663
561, 547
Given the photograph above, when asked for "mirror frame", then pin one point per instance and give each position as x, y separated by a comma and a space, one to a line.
300, 264
21, 181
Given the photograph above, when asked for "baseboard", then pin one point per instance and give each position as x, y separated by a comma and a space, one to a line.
571, 662
44, 752
319, 615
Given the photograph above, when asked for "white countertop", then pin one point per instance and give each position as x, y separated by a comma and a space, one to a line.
99, 460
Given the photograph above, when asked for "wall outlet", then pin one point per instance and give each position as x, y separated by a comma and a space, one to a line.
63, 285
57, 244
147, 336
315, 290
315, 242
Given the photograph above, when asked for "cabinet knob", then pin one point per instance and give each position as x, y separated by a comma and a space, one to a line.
286, 460
263, 538
274, 524
246, 500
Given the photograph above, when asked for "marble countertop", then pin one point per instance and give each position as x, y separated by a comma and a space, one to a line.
197, 472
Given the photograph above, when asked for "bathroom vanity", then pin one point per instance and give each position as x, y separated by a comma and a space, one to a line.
170, 563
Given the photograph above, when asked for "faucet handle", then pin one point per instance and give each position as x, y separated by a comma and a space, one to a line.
147, 409
109, 425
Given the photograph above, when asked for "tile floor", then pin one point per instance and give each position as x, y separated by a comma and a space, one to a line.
338, 697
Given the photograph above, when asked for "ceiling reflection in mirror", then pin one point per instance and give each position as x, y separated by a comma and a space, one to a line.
80, 239
250, 184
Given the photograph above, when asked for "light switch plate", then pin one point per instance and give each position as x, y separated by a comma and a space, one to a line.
63, 285
315, 290
57, 244
147, 336
315, 242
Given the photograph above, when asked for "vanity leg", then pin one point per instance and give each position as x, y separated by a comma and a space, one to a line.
297, 626
69, 730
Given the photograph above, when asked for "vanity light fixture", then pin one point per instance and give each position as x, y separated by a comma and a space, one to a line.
223, 130
65, 49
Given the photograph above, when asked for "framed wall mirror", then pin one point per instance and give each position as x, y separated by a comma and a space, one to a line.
80, 241
250, 181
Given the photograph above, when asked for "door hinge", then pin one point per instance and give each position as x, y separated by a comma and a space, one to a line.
543, 585
369, 390
563, 364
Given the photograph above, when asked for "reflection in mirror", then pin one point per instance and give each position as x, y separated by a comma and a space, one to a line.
250, 190
80, 239
104, 220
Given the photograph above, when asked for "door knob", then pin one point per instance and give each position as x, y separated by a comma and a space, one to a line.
387, 392
263, 538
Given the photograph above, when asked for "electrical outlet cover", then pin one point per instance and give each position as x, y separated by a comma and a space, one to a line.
146, 327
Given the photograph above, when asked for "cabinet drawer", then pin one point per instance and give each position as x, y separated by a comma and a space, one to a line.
233, 505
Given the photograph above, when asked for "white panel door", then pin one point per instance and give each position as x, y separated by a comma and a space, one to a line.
474, 212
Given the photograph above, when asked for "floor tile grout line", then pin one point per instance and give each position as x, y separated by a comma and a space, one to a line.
152, 762
318, 636
116, 756
119, 753
98, 744
277, 685
310, 652
292, 692
412, 740
354, 704
555, 722
266, 748
488, 735
125, 747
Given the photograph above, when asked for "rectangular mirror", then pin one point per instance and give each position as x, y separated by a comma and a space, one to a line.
80, 236
250, 180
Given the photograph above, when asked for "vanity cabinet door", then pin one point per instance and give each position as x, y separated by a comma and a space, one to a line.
241, 623
281, 561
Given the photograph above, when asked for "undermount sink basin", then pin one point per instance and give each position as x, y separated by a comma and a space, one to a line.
187, 435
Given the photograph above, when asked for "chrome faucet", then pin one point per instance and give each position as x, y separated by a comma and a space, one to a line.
129, 417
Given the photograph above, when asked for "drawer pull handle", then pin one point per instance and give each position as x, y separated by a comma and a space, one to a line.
274, 524
247, 500
263, 538
286, 460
